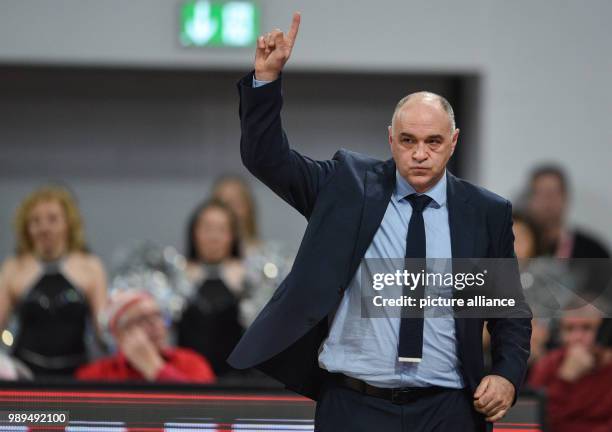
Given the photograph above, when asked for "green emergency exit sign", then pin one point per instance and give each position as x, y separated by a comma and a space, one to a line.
219, 23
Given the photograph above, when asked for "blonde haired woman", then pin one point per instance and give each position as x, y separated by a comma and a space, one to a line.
52, 284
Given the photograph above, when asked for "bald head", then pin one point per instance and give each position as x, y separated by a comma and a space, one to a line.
426, 98
422, 137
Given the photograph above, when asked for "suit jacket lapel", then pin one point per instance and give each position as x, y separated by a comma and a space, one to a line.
461, 219
378, 186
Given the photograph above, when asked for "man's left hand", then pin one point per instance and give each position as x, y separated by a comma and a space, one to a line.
494, 397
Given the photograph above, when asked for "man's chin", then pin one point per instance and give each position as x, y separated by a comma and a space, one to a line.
420, 182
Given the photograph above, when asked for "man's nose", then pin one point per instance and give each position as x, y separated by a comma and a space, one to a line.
420, 152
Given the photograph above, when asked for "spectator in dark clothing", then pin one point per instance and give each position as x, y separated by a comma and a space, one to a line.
211, 323
548, 198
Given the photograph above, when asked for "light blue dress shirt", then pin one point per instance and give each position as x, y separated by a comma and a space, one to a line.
366, 348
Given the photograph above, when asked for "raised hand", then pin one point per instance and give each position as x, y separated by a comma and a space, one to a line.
273, 51
141, 352
577, 362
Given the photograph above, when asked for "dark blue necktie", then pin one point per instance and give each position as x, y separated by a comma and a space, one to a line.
410, 347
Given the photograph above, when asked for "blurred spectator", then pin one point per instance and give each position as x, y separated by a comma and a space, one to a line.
527, 242
548, 200
135, 320
266, 263
210, 323
235, 193
52, 284
527, 236
578, 376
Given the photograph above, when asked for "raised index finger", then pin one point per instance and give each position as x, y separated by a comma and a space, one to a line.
295, 26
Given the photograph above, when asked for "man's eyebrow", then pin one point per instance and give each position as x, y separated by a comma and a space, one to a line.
429, 137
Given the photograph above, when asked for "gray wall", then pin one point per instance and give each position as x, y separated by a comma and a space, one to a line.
545, 66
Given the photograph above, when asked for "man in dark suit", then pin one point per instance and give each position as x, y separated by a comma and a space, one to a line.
389, 374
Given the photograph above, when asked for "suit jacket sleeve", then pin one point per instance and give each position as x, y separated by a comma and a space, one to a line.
265, 150
510, 337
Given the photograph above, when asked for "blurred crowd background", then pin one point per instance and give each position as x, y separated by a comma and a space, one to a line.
136, 247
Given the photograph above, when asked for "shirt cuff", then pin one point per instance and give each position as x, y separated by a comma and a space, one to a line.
259, 83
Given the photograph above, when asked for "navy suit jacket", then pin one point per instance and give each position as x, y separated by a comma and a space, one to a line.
344, 200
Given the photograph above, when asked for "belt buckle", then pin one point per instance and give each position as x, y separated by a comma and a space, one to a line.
400, 396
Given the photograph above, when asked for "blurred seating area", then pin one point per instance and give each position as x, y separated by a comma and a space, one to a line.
571, 350
159, 316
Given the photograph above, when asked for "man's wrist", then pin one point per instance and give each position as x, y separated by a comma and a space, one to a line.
265, 76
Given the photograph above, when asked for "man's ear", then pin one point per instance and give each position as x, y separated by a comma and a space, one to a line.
454, 139
390, 130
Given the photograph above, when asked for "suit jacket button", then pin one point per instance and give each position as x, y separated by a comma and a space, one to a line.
340, 289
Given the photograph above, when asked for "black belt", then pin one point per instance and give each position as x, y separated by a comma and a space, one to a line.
400, 395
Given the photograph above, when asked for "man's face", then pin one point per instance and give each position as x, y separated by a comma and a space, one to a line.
422, 142
547, 200
146, 315
579, 331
